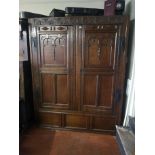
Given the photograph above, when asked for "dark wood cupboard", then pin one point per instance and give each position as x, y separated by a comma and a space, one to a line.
78, 71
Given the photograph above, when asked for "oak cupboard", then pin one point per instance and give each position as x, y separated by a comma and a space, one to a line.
78, 71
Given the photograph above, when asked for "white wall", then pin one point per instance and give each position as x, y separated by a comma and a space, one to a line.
45, 6
130, 92
130, 8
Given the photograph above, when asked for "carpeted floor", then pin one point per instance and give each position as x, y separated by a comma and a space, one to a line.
47, 142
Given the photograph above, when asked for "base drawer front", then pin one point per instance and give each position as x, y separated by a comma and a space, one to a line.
51, 119
76, 121
103, 123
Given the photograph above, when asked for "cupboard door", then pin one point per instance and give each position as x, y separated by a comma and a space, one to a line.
56, 67
98, 68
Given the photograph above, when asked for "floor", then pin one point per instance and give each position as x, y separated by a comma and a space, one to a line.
38, 141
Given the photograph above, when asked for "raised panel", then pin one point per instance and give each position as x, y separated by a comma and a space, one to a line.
103, 123
106, 91
55, 90
62, 92
76, 121
93, 51
89, 90
52, 119
53, 49
106, 56
97, 91
47, 88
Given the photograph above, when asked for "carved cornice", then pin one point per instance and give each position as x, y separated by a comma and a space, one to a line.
78, 20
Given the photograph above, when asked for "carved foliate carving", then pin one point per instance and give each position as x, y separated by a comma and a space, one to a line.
45, 28
100, 44
95, 42
53, 41
100, 49
53, 28
77, 20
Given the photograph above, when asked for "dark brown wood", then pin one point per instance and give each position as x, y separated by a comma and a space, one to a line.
79, 20
78, 66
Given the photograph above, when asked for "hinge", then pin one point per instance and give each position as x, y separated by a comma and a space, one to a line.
34, 41
121, 44
118, 95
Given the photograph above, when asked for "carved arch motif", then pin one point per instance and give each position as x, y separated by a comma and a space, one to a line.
58, 40
102, 47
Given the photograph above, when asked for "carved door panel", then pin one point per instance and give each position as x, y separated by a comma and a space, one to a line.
53, 49
99, 48
97, 76
97, 91
56, 67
